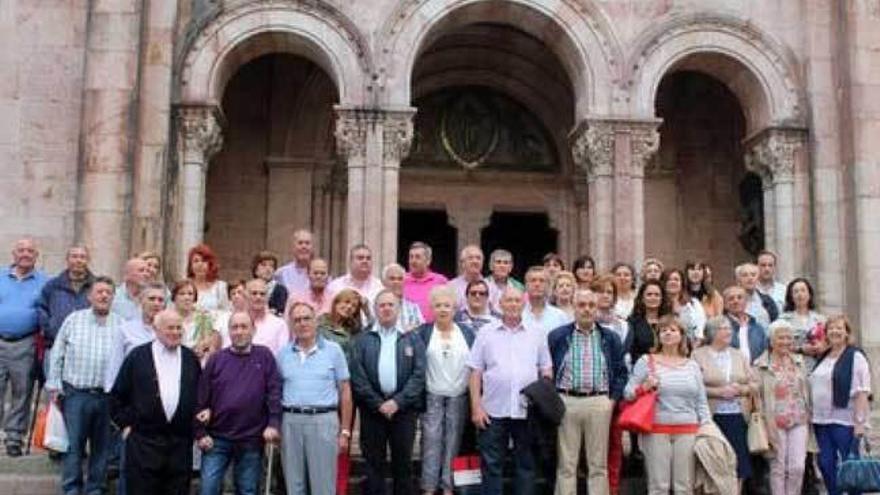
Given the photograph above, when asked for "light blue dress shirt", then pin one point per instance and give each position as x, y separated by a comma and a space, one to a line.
388, 358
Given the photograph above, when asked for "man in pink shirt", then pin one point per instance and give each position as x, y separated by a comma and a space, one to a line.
317, 296
417, 284
271, 331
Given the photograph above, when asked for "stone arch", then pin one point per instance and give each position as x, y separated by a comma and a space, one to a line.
312, 30
575, 31
759, 70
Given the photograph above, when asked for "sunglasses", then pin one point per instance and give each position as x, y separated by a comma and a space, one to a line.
479, 293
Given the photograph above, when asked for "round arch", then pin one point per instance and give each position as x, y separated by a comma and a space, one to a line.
312, 30
576, 32
760, 71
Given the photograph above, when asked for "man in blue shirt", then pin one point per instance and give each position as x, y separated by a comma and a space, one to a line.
315, 394
20, 286
388, 381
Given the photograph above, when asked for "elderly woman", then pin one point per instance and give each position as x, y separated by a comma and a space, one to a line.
447, 347
729, 387
784, 400
563, 293
680, 410
840, 385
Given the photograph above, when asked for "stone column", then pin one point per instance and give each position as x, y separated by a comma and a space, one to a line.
290, 200
200, 136
593, 151
777, 155
107, 131
373, 142
614, 153
469, 220
151, 153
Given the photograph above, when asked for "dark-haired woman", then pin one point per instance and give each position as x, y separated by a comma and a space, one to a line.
625, 282
808, 324
688, 309
584, 269
650, 305
700, 286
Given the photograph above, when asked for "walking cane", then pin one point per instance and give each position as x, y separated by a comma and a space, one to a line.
35, 404
270, 447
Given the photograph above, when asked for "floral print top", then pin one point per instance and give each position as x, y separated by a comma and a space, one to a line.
790, 403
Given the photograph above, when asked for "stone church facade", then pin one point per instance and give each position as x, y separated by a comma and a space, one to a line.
681, 129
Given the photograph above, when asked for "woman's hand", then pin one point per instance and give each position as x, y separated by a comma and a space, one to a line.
651, 383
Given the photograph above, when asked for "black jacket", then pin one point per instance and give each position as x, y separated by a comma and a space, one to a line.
135, 400
641, 338
278, 299
411, 365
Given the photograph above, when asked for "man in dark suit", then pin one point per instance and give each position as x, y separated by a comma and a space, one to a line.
153, 402
388, 381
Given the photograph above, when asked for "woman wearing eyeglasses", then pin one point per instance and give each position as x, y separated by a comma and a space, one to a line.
447, 347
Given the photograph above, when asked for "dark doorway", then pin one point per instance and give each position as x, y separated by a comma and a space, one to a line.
527, 235
431, 227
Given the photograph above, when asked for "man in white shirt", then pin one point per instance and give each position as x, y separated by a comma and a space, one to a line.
537, 311
767, 283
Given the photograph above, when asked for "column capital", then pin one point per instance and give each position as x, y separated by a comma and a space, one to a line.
592, 148
200, 131
351, 132
772, 153
397, 134
644, 143
353, 125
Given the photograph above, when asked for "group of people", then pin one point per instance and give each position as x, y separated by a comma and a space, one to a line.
204, 373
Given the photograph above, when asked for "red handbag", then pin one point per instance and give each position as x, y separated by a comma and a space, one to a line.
638, 415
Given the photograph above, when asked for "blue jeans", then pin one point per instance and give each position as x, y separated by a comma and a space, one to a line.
835, 444
493, 442
87, 417
248, 464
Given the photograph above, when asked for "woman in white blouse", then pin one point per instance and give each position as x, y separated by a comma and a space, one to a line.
202, 269
448, 345
840, 384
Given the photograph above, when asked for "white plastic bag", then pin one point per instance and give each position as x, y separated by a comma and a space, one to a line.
56, 432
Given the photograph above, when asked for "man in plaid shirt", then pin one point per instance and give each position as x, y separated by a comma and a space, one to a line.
76, 378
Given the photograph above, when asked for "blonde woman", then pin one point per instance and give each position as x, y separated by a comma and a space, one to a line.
563, 293
784, 400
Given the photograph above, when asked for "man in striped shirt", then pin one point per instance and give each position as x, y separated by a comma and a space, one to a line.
76, 378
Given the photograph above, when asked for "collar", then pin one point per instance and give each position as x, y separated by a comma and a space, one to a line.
160, 349
588, 332
319, 344
520, 327
28, 275
384, 332
429, 276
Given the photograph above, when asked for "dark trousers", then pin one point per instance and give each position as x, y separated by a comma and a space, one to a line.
87, 418
158, 464
835, 444
377, 434
493, 442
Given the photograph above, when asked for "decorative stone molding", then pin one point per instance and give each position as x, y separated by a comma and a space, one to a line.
351, 133
772, 154
593, 148
201, 133
645, 141
397, 135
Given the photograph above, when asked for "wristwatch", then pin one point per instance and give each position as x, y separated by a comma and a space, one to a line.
345, 433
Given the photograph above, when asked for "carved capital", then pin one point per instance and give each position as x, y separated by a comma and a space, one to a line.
772, 154
644, 141
592, 148
351, 133
200, 132
397, 134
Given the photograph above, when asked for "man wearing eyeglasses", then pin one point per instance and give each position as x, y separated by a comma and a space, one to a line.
316, 400
476, 311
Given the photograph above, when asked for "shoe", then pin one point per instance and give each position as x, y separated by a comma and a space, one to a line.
55, 456
13, 450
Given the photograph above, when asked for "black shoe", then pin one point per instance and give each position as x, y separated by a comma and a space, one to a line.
55, 456
13, 450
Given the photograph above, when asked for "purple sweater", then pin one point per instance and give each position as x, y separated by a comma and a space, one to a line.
243, 392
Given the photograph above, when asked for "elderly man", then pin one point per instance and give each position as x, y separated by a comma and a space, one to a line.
388, 380
135, 332
153, 402
76, 380
506, 358
126, 302
470, 264
239, 406
500, 266
317, 295
538, 312
758, 305
271, 331
749, 336
590, 375
294, 275
316, 401
767, 283
419, 281
20, 287
360, 274
410, 315
65, 293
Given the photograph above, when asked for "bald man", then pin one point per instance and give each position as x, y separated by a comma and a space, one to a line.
126, 302
20, 287
153, 402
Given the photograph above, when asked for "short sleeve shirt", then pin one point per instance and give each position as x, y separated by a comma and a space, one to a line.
822, 389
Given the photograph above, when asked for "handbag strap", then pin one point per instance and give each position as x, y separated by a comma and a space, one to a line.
854, 448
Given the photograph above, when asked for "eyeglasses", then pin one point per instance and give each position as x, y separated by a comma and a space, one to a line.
478, 293
302, 319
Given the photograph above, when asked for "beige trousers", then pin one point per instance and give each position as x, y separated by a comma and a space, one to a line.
587, 420
669, 460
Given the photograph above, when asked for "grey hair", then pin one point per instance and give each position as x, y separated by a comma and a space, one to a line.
392, 266
500, 254
740, 268
441, 291
778, 326
382, 293
424, 247
713, 325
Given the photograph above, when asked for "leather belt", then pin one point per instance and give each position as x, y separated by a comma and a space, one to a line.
308, 410
575, 393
